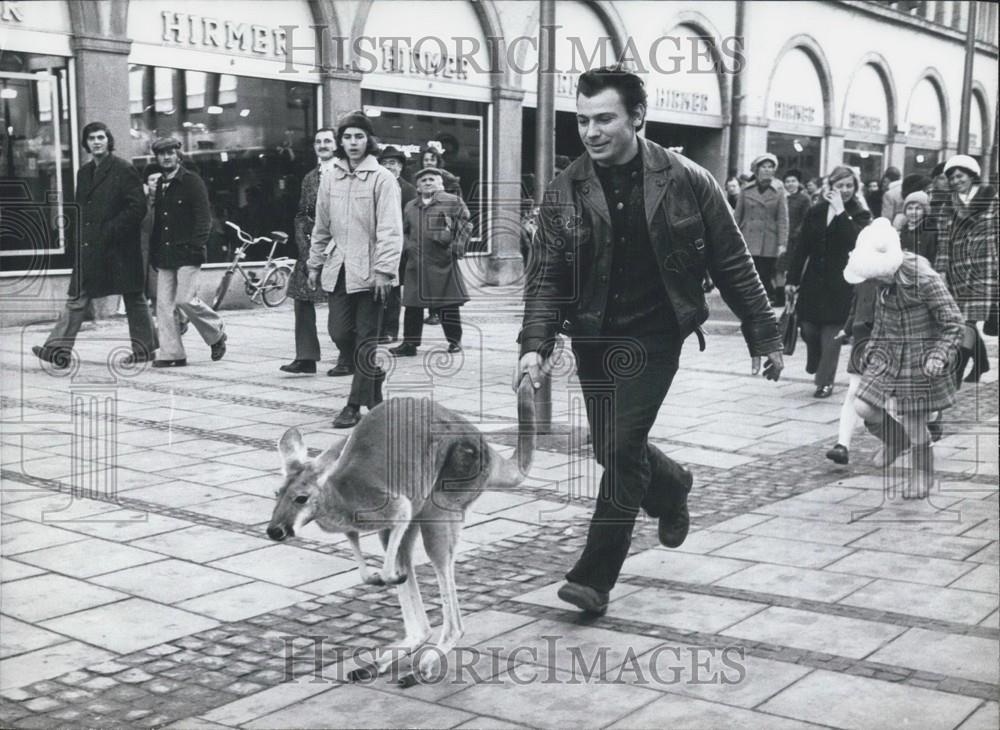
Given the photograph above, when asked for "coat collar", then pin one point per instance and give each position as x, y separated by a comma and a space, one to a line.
101, 171
753, 187
368, 165
435, 198
656, 165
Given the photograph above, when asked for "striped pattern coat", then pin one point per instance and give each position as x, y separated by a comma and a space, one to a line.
967, 253
909, 327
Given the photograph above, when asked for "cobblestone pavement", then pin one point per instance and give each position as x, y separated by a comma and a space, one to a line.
139, 589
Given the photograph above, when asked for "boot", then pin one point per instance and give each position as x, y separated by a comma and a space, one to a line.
980, 361
893, 437
921, 481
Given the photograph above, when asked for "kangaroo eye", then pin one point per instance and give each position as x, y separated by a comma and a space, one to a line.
302, 499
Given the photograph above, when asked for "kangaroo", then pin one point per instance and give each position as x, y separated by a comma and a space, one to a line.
409, 466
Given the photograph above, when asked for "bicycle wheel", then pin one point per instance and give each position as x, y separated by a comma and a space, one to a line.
220, 293
274, 289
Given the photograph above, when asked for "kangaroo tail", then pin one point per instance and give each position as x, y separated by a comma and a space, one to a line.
511, 472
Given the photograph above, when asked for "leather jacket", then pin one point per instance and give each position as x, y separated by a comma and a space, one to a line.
691, 228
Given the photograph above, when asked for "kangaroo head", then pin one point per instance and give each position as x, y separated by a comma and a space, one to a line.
297, 499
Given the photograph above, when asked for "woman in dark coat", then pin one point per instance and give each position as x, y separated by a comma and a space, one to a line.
967, 256
816, 272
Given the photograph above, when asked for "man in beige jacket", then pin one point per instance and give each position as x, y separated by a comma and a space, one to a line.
357, 240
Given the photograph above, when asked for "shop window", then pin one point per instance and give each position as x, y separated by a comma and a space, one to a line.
920, 161
866, 157
36, 164
795, 152
454, 126
250, 139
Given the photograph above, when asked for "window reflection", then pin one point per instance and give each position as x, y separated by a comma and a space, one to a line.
250, 139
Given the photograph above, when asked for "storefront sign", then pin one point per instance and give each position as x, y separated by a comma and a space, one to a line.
864, 123
795, 113
924, 131
679, 101
184, 29
11, 12
425, 57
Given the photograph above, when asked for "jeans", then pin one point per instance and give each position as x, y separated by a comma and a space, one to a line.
354, 322
621, 408
140, 323
178, 288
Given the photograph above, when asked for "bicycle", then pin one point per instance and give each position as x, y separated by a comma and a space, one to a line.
271, 288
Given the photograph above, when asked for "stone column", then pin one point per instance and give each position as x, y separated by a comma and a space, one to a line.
834, 154
341, 94
753, 142
895, 151
504, 265
102, 95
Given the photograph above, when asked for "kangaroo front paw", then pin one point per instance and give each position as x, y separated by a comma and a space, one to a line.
363, 673
374, 579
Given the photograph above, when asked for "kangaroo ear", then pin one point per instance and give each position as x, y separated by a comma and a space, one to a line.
292, 449
328, 459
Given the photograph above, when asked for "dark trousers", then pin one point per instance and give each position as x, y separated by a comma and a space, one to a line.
390, 318
354, 321
451, 323
822, 351
140, 323
765, 270
621, 408
306, 339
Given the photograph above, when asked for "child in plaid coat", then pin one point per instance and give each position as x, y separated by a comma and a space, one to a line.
913, 346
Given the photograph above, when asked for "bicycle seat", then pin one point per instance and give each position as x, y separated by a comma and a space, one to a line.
279, 236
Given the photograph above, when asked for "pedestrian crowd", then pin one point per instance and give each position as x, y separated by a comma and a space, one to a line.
618, 258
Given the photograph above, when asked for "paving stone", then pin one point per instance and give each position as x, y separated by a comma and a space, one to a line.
691, 568
49, 662
42, 704
77, 558
170, 581
986, 717
18, 637
911, 568
814, 585
687, 712
46, 596
967, 657
944, 604
782, 552
285, 565
133, 676
682, 610
855, 702
546, 595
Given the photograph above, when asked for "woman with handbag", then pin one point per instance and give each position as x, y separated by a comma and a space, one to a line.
815, 272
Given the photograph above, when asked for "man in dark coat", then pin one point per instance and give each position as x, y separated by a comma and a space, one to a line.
394, 160
307, 351
178, 245
109, 256
626, 235
435, 228
798, 202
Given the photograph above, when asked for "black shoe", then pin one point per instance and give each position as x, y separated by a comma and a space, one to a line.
838, 454
584, 597
454, 347
340, 370
823, 391
348, 417
137, 358
170, 363
675, 523
219, 348
404, 350
936, 428
299, 366
432, 319
58, 358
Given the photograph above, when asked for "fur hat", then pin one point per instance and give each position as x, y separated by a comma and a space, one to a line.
355, 119
963, 162
877, 253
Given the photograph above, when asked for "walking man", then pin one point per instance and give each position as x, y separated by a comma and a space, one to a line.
178, 247
393, 159
305, 299
109, 258
356, 241
627, 233
436, 229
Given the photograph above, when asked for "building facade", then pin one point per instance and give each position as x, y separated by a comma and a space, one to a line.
245, 83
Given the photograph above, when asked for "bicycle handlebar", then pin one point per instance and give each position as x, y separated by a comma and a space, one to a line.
249, 240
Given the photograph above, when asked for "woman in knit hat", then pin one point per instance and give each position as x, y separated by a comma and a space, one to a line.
967, 256
815, 272
914, 341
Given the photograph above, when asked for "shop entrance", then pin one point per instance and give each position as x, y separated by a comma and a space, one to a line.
32, 223
795, 152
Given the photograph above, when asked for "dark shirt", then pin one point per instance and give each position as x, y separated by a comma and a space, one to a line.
638, 305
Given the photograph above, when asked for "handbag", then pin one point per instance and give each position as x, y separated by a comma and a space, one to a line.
788, 324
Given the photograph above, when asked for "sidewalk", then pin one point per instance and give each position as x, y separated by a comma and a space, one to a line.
139, 588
